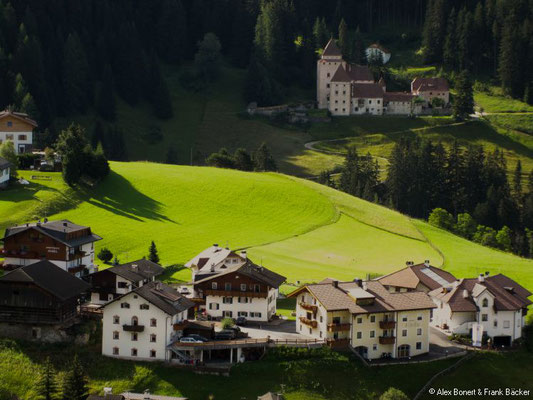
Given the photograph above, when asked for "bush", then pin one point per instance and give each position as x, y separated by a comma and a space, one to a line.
441, 218
27, 160
393, 394
227, 323
105, 255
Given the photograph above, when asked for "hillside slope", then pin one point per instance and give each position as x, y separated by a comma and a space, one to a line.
301, 229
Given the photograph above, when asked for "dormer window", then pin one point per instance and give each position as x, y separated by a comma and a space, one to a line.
214, 285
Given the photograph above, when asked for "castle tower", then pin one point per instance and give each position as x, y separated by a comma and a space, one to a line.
326, 68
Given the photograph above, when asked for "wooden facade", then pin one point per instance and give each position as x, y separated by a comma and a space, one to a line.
230, 285
11, 123
33, 244
27, 303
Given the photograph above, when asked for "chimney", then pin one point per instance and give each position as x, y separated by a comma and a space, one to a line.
215, 245
363, 285
64, 224
426, 263
487, 273
244, 254
358, 281
408, 263
45, 220
335, 284
481, 278
134, 267
465, 294
158, 286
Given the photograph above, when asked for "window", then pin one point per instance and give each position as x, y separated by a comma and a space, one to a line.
214, 285
495, 323
124, 305
419, 331
359, 335
336, 101
10, 123
329, 75
484, 317
404, 332
214, 306
227, 300
153, 322
152, 353
242, 313
116, 335
23, 137
359, 320
255, 314
144, 307
485, 303
374, 347
153, 338
243, 299
328, 85
404, 319
116, 319
506, 324
369, 101
372, 318
227, 286
372, 334
344, 92
134, 321
134, 352
336, 92
320, 333
115, 351
36, 333
9, 137
419, 318
134, 337
321, 319
309, 315
310, 331
379, 101
122, 285
227, 314
257, 288
419, 345
243, 287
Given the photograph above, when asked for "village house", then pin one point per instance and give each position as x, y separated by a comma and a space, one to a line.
419, 277
227, 284
67, 245
366, 316
496, 302
121, 279
18, 128
347, 89
139, 325
5, 172
108, 395
377, 50
37, 301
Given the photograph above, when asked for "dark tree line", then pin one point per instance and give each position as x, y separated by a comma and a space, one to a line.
471, 186
260, 160
485, 37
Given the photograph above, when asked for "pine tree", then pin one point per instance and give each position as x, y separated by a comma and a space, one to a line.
159, 95
105, 98
76, 76
517, 180
320, 33
434, 30
450, 43
207, 60
71, 146
171, 31
259, 86
263, 159
509, 59
463, 104
243, 160
75, 382
343, 38
152, 253
47, 388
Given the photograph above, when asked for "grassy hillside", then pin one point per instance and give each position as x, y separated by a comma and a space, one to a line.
301, 229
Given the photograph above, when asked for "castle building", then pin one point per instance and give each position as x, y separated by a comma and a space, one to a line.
348, 89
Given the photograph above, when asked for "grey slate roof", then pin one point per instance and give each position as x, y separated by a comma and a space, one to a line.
106, 397
332, 49
57, 230
145, 269
4, 163
50, 278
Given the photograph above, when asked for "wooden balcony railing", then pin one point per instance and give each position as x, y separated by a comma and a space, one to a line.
338, 327
133, 328
233, 293
309, 307
387, 340
387, 324
309, 322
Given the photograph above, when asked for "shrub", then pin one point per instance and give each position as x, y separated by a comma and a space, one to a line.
393, 394
441, 218
227, 323
105, 255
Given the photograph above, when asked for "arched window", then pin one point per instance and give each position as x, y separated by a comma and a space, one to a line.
134, 321
485, 302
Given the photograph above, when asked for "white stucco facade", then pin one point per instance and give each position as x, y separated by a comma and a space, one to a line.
151, 343
259, 309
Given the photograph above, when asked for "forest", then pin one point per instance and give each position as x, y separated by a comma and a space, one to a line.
63, 57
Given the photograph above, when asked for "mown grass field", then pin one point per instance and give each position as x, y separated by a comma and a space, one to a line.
299, 228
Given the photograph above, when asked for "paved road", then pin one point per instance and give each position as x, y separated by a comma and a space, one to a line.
439, 343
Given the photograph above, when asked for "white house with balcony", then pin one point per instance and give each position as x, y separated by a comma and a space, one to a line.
18, 128
141, 324
496, 302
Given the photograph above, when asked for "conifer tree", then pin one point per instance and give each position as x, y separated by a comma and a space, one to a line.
517, 180
171, 31
105, 98
343, 39
320, 33
463, 104
75, 382
208, 59
152, 253
509, 60
47, 388
450, 43
76, 78
243, 160
263, 159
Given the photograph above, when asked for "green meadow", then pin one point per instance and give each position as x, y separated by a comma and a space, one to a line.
296, 227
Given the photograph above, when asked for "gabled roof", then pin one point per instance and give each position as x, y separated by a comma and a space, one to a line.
253, 271
106, 397
379, 47
367, 91
341, 75
359, 73
331, 49
398, 96
430, 84
4, 163
48, 277
212, 259
136, 271
343, 295
410, 276
58, 230
162, 296
18, 115
270, 396
508, 294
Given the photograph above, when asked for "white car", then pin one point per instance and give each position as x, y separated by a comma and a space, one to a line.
187, 339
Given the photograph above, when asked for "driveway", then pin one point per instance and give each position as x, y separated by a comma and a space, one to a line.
439, 343
277, 330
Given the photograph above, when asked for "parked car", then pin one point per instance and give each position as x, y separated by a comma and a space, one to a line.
188, 339
198, 337
226, 334
242, 321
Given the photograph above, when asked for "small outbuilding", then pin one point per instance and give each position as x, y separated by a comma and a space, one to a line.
376, 49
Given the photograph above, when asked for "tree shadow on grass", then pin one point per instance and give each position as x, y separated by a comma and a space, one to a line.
118, 196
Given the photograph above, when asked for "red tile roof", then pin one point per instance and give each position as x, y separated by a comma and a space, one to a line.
359, 72
341, 75
398, 96
367, 90
430, 84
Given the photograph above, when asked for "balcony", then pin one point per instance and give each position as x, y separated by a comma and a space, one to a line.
311, 323
338, 327
387, 340
233, 293
20, 254
309, 307
387, 324
133, 328
76, 269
